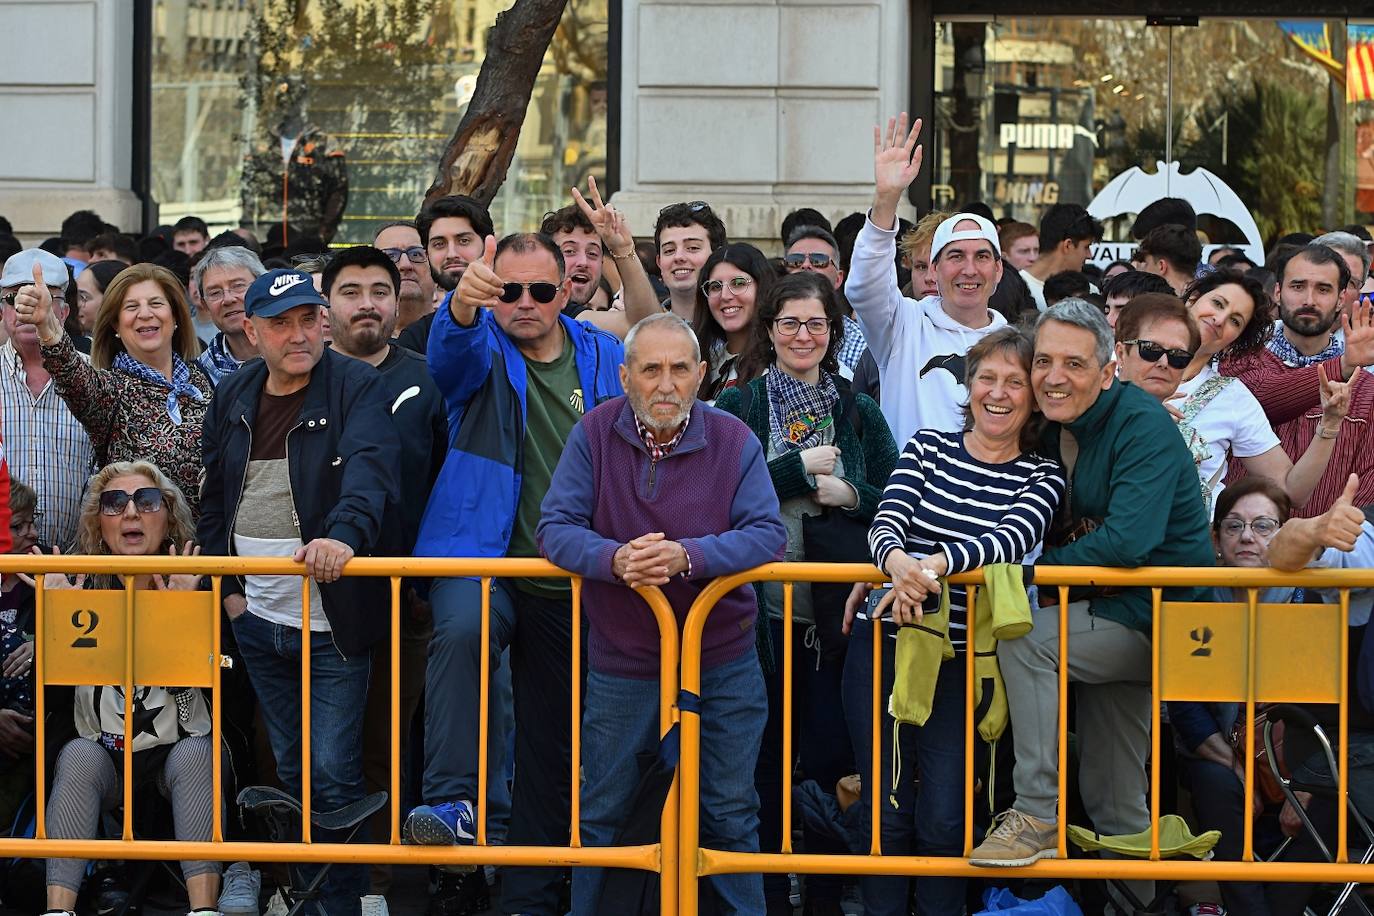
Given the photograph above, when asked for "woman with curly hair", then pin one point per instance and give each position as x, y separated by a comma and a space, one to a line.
828, 451
1218, 416
133, 509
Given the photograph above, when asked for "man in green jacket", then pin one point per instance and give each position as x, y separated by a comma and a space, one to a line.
1134, 500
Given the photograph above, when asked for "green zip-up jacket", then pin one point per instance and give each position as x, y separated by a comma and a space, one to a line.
1135, 476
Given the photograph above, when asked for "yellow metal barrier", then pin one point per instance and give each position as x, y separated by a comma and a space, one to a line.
146, 637
1276, 664
128, 637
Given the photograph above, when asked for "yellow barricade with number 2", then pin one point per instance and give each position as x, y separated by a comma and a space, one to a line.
86, 633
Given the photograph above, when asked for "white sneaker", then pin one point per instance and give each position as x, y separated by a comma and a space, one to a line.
375, 905
276, 906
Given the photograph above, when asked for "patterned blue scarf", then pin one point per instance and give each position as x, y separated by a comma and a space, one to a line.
219, 357
798, 412
178, 386
1289, 356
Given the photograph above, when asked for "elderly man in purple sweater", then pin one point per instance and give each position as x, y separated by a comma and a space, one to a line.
654, 488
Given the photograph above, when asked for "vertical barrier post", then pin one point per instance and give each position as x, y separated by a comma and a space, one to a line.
575, 690
1252, 638
875, 793
40, 813
668, 862
128, 831
689, 779
971, 603
216, 708
305, 709
1155, 595
1062, 730
483, 702
787, 649
394, 802
1343, 752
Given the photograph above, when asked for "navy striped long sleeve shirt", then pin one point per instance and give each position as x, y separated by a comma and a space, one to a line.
941, 498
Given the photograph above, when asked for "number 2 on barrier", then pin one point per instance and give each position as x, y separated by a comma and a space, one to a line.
84, 636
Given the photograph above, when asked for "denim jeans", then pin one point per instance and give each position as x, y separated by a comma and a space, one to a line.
538, 632
338, 693
929, 822
620, 721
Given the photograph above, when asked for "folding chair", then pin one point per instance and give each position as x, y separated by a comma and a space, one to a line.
1304, 738
281, 816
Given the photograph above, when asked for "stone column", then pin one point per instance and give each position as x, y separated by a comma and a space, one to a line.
758, 107
66, 84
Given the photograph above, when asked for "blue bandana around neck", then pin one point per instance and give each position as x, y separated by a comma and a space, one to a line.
1288, 355
178, 386
219, 355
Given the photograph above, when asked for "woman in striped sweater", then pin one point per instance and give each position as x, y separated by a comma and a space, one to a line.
955, 501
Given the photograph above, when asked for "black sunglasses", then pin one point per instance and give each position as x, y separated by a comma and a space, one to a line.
1151, 352
146, 499
818, 260
540, 292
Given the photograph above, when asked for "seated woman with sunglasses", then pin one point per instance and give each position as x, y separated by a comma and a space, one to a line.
826, 451
1172, 351
733, 280
133, 509
1249, 516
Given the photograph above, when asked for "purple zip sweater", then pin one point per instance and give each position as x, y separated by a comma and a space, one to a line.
712, 494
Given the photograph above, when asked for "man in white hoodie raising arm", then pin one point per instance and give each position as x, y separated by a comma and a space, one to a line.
920, 346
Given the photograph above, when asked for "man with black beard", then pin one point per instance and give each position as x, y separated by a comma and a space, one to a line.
1283, 375
362, 286
452, 232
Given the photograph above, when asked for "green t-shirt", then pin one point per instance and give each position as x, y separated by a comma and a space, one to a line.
553, 405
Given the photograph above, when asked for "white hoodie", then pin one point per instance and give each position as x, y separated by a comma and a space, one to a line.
918, 347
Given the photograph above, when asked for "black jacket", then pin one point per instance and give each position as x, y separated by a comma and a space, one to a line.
417, 408
344, 457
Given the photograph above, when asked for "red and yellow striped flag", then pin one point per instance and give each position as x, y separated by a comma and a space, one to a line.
1359, 66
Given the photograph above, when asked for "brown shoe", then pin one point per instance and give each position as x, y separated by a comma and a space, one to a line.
1016, 839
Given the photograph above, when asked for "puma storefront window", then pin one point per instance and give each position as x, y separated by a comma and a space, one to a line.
358, 99
1266, 126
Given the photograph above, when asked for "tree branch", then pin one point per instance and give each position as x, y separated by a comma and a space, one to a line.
482, 147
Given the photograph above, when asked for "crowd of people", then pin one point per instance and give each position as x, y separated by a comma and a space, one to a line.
937, 397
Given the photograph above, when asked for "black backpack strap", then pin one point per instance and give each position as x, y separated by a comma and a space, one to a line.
848, 407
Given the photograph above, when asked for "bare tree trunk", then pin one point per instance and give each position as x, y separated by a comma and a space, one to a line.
482, 147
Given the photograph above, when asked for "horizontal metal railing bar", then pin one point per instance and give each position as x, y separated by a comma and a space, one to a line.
643, 857
471, 567
717, 862
1145, 576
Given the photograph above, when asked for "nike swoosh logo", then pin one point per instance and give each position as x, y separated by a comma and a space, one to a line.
283, 283
412, 391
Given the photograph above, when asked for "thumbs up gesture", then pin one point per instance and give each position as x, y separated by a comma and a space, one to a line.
479, 285
1340, 525
33, 305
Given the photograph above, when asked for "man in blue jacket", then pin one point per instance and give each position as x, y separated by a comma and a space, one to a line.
300, 459
517, 376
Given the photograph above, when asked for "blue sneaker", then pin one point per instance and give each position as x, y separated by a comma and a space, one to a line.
447, 824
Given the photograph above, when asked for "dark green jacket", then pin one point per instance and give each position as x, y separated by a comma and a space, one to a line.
1135, 476
867, 464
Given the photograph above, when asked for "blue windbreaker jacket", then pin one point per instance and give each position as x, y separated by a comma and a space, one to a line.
481, 374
